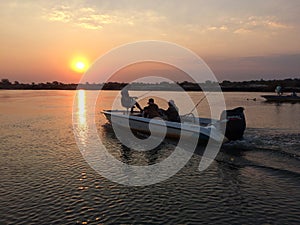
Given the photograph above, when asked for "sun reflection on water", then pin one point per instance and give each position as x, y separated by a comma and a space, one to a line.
80, 125
81, 103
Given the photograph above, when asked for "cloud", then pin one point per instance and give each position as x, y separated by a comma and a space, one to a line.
247, 25
214, 28
270, 22
60, 14
256, 24
241, 31
92, 18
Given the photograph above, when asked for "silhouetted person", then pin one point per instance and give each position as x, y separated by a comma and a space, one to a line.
172, 112
294, 94
151, 110
278, 90
129, 102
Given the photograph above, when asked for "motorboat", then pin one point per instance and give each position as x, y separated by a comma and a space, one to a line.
281, 98
189, 125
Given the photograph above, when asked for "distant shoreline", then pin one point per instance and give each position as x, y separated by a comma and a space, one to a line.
288, 85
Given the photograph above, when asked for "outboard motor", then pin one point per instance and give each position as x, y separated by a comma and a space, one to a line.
235, 123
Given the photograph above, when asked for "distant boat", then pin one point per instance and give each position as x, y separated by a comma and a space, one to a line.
204, 128
281, 98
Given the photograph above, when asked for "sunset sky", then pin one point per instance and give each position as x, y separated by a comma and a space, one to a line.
239, 40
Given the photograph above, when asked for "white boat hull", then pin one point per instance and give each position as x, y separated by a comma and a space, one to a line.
174, 129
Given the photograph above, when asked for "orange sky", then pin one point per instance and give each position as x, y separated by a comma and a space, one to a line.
239, 40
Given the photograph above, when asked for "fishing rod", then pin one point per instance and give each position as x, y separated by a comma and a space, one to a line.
142, 95
198, 103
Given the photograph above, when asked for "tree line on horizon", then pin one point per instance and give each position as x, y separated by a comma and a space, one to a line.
262, 85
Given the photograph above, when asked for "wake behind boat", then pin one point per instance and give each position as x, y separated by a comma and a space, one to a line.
203, 128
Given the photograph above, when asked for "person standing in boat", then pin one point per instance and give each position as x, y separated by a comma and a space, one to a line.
278, 90
172, 112
129, 102
151, 110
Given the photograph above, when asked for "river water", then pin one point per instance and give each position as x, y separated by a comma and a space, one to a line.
45, 179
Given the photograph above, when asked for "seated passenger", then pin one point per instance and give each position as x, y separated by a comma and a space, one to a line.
172, 112
294, 94
151, 110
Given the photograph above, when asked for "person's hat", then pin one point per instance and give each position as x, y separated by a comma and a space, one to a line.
151, 100
172, 102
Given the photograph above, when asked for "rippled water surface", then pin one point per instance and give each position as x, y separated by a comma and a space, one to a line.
45, 180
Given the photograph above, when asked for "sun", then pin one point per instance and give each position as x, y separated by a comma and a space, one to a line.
79, 64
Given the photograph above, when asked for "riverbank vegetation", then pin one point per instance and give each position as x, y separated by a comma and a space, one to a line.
253, 85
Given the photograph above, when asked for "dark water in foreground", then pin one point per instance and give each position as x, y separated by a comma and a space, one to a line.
45, 180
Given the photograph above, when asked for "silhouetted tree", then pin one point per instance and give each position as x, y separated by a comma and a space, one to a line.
5, 81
